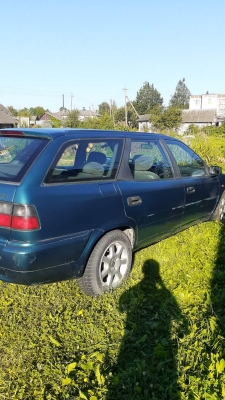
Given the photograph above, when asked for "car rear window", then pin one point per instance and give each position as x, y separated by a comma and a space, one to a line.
16, 156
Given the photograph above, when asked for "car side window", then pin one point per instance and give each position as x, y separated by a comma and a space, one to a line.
86, 160
189, 163
148, 162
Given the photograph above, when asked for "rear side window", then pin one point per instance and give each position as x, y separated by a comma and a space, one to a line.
16, 156
86, 160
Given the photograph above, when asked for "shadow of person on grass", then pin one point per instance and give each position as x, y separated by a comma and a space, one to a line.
146, 367
217, 316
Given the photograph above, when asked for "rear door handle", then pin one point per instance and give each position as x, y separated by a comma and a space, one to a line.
190, 189
134, 201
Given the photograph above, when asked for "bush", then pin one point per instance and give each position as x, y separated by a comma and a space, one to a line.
210, 148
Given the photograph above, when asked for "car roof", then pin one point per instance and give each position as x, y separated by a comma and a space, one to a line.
53, 133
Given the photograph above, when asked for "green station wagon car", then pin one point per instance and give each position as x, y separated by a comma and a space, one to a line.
76, 203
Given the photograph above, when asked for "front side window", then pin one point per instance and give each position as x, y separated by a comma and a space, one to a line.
148, 161
189, 163
86, 160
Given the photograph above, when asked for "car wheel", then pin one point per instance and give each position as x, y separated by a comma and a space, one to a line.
109, 264
219, 213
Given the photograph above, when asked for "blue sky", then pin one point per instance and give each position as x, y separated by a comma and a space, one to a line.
94, 49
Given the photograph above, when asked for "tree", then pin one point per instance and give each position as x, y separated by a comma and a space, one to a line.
119, 116
13, 111
103, 122
72, 120
104, 108
181, 95
24, 112
37, 111
55, 122
165, 118
147, 98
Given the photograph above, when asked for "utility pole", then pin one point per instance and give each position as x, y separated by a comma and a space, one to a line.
112, 111
125, 106
71, 101
133, 107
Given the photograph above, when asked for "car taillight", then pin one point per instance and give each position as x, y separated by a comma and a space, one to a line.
18, 216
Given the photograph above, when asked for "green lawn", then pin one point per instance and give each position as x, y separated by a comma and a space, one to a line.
159, 336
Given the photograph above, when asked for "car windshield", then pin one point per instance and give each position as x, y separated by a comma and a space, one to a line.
16, 155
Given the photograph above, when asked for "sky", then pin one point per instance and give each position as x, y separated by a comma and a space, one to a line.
95, 49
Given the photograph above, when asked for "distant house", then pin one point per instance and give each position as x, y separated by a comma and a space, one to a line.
7, 120
143, 123
204, 110
27, 122
208, 102
198, 118
62, 116
46, 119
84, 114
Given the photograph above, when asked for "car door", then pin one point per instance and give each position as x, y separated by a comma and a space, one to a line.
152, 196
201, 189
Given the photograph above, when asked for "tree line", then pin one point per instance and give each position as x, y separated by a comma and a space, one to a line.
108, 116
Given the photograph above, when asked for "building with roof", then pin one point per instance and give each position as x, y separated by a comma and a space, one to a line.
208, 102
61, 116
198, 118
7, 120
144, 125
204, 110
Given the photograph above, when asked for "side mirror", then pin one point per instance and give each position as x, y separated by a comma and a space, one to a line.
215, 170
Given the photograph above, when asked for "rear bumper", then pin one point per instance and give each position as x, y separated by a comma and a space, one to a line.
48, 261
52, 274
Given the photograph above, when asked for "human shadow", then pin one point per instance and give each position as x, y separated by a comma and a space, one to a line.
147, 363
217, 315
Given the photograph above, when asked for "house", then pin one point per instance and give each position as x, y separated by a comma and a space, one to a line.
198, 118
144, 125
27, 122
204, 110
84, 114
208, 102
61, 116
7, 120
46, 119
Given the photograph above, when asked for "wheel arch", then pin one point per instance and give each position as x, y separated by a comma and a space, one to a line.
128, 230
91, 281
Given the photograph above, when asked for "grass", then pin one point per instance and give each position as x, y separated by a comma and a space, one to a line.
159, 336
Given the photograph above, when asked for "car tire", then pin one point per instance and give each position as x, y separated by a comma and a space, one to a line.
108, 265
219, 213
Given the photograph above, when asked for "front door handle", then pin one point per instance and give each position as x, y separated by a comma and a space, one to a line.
190, 189
134, 201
